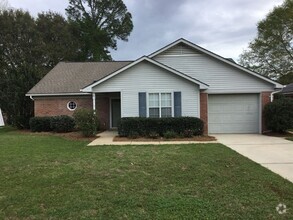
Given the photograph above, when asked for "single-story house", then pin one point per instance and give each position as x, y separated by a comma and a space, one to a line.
287, 90
180, 79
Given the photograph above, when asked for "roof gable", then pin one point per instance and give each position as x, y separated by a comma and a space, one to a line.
180, 49
171, 48
202, 85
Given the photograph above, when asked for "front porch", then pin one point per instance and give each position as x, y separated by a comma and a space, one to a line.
108, 108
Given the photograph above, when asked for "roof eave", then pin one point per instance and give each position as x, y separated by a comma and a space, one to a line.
57, 94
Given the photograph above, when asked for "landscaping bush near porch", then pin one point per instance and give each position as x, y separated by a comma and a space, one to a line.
154, 127
86, 121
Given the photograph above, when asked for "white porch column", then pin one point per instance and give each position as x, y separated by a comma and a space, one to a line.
94, 102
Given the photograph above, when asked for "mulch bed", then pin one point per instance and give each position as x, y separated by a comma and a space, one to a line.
145, 139
74, 135
274, 134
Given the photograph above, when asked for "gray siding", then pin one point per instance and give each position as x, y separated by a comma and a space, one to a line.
180, 49
221, 77
146, 77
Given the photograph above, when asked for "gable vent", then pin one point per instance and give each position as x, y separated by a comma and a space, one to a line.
180, 49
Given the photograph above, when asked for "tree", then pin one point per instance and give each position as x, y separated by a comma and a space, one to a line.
271, 52
99, 24
58, 41
29, 48
19, 43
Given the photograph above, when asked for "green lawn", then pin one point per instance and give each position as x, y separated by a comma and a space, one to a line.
47, 177
290, 138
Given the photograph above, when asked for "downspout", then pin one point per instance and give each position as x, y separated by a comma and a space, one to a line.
31, 97
94, 102
273, 93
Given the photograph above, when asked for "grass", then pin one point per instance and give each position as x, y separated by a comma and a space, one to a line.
47, 177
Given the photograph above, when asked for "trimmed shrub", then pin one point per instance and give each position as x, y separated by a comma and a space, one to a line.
279, 115
87, 122
62, 123
147, 126
170, 134
38, 124
133, 135
188, 133
153, 135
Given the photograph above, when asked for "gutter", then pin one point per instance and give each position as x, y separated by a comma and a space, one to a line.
56, 94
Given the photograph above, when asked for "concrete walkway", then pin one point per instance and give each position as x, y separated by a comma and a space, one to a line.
106, 138
274, 153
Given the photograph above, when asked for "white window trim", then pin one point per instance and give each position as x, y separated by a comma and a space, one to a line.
160, 102
70, 108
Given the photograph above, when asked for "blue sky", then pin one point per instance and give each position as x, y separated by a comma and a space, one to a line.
225, 27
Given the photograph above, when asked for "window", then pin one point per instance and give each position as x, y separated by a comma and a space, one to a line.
71, 105
160, 105
154, 105
166, 105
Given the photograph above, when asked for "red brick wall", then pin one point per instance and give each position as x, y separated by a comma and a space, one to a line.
265, 99
204, 110
51, 106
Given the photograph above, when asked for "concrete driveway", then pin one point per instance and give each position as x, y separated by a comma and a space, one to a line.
274, 153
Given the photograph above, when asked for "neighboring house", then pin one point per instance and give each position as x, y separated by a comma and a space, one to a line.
181, 79
288, 90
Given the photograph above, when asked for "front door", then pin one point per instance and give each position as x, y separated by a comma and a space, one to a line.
115, 112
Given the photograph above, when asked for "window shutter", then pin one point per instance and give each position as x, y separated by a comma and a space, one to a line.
142, 104
177, 104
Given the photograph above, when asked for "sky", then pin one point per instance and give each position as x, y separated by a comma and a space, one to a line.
224, 27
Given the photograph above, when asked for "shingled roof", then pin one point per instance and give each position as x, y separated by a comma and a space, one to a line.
288, 89
70, 77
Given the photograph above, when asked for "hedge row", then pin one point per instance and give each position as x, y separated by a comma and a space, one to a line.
279, 114
62, 123
134, 126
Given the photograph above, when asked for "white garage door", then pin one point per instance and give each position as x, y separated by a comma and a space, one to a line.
233, 113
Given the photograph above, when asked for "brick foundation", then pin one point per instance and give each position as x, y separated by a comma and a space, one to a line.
265, 99
204, 110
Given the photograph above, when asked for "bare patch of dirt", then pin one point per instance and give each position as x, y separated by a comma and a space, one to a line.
145, 139
74, 135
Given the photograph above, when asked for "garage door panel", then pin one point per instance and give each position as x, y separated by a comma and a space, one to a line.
228, 118
233, 113
231, 109
234, 128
